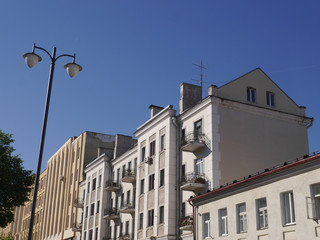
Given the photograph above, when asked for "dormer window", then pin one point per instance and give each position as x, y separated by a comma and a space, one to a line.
251, 94
270, 99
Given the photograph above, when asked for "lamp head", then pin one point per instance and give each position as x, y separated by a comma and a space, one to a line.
31, 59
72, 69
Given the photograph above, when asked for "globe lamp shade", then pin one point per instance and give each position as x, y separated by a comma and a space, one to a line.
31, 59
72, 69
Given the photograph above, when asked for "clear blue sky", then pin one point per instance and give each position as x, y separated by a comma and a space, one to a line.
136, 53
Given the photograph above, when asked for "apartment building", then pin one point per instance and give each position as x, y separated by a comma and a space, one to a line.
278, 203
142, 192
239, 128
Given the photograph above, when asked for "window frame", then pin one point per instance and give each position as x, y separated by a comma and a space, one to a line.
270, 99
262, 213
142, 186
251, 95
161, 178
141, 220
242, 220
288, 210
151, 218
223, 222
161, 214
151, 182
206, 225
152, 149
162, 142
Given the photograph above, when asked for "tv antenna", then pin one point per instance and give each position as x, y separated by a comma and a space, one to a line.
201, 67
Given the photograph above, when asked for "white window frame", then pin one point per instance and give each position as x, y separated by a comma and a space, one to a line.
223, 222
270, 99
199, 166
162, 142
287, 205
251, 95
262, 213
242, 218
206, 225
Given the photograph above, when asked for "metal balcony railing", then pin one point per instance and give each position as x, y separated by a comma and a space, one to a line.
129, 176
193, 141
127, 207
112, 186
186, 223
78, 202
193, 182
111, 213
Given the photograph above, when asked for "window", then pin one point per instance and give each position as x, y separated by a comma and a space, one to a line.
223, 221
161, 214
315, 200
118, 175
161, 177
242, 217
92, 209
199, 166
198, 127
90, 234
98, 206
151, 182
88, 187
97, 231
128, 197
100, 179
123, 170
94, 184
85, 236
141, 221
270, 99
152, 148
288, 208
183, 209
86, 211
122, 200
206, 225
143, 153
183, 170
127, 228
162, 142
150, 217
251, 94
129, 166
262, 213
142, 186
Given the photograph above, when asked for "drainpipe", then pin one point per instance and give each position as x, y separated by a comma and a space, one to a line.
193, 221
178, 159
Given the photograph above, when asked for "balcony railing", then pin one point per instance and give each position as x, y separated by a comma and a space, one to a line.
78, 202
112, 186
127, 208
193, 142
129, 176
193, 182
186, 223
126, 237
111, 214
77, 227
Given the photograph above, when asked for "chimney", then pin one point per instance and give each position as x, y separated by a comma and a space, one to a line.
190, 95
154, 110
213, 90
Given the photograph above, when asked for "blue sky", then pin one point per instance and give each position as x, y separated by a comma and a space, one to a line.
136, 53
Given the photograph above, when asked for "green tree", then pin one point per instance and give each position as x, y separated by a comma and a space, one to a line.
15, 182
4, 237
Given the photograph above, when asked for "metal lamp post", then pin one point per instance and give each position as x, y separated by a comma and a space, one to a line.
72, 69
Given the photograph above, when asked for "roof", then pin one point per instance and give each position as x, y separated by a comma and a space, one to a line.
259, 176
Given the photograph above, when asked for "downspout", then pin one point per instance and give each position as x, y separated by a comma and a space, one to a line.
193, 221
178, 164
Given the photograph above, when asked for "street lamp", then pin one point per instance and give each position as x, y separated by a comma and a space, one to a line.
72, 69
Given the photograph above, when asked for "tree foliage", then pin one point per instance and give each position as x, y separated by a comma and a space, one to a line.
15, 182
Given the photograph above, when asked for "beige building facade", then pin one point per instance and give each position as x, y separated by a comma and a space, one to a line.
278, 203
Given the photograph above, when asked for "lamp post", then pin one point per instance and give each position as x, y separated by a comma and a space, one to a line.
72, 69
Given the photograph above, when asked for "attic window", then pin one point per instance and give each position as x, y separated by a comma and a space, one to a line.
270, 99
251, 94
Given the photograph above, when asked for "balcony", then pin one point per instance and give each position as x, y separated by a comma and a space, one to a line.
129, 176
186, 223
112, 186
193, 182
78, 203
111, 214
193, 142
127, 208
77, 228
126, 237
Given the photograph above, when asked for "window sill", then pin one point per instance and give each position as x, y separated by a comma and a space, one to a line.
289, 224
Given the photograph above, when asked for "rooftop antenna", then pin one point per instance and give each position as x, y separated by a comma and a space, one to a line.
201, 67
